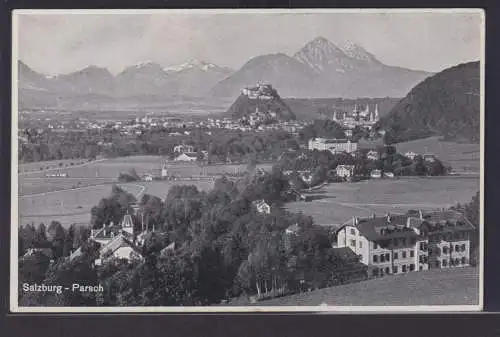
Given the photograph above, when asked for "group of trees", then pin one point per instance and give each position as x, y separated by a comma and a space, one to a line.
220, 144
224, 248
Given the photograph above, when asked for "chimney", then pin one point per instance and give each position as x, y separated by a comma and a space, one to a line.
408, 220
421, 216
354, 220
389, 217
357, 220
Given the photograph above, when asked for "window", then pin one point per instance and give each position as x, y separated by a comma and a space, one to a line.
395, 269
395, 256
445, 263
404, 254
353, 231
353, 243
457, 248
413, 241
375, 246
463, 248
375, 258
382, 272
445, 250
464, 260
404, 269
387, 257
457, 261
451, 248
382, 258
430, 251
412, 267
438, 264
387, 270
412, 253
360, 244
375, 272
452, 262
396, 242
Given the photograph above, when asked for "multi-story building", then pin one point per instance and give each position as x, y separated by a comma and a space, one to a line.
397, 244
345, 171
332, 145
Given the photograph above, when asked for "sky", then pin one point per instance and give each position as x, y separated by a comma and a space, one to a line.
61, 43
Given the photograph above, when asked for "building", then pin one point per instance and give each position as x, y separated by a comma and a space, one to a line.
396, 244
345, 171
262, 206
376, 174
183, 148
429, 158
186, 157
147, 177
332, 145
357, 117
163, 170
373, 155
411, 155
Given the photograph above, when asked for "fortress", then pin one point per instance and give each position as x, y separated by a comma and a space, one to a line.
260, 91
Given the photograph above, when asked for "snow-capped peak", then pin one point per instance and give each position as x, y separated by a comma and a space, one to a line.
194, 63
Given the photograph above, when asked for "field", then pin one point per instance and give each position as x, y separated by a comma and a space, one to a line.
49, 165
457, 286
69, 200
461, 156
336, 203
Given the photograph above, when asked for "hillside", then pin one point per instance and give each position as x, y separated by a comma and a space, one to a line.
457, 286
446, 104
245, 106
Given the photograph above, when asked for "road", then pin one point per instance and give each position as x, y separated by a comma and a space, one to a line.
62, 168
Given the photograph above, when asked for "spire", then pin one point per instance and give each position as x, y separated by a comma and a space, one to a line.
376, 111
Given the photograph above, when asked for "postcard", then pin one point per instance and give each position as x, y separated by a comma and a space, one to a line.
312, 160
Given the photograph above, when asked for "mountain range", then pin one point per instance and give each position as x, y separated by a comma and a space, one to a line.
319, 69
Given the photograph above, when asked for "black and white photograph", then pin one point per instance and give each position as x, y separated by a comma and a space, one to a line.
312, 160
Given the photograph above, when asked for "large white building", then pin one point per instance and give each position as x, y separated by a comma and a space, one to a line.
332, 145
411, 242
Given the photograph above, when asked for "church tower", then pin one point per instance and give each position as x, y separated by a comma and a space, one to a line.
164, 171
376, 112
334, 116
127, 224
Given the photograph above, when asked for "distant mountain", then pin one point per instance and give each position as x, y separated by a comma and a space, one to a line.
282, 71
191, 79
326, 71
91, 79
446, 104
245, 105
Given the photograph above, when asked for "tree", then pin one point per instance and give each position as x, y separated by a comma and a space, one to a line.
56, 235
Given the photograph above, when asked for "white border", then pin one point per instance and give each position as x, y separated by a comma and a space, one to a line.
14, 305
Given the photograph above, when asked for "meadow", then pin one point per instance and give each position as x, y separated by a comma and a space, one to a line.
453, 286
461, 156
338, 202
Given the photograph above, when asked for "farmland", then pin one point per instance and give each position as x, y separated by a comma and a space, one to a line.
69, 200
457, 286
336, 203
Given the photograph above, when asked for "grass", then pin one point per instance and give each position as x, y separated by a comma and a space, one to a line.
336, 203
461, 156
456, 286
52, 164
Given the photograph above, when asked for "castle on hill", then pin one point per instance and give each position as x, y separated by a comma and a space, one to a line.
357, 117
260, 91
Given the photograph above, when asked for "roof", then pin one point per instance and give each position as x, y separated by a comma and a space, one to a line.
118, 242
105, 232
405, 225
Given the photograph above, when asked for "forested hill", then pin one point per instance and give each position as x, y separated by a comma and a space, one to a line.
446, 104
